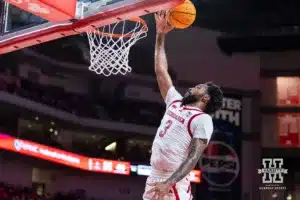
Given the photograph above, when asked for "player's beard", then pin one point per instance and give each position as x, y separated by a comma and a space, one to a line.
190, 98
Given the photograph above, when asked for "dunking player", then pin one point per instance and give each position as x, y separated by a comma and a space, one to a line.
185, 129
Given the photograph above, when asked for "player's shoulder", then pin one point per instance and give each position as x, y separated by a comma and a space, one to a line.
201, 120
173, 96
203, 117
171, 89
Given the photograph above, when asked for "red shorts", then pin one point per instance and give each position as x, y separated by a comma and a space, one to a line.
180, 191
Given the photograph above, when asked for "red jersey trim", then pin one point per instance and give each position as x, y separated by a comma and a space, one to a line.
192, 108
190, 192
190, 122
189, 189
176, 101
176, 192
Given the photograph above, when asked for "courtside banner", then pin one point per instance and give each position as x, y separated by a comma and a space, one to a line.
63, 157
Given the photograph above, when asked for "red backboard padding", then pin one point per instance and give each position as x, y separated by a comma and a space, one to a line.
51, 10
15, 41
66, 6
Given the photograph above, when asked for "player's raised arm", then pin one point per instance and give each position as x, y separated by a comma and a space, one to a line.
161, 64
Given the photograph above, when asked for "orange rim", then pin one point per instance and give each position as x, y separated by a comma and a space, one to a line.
115, 35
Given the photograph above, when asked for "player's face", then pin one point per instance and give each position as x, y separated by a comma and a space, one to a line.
195, 94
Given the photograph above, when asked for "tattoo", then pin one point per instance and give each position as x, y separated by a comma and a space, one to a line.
196, 149
160, 39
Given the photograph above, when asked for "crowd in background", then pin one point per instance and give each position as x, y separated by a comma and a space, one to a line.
80, 105
49, 95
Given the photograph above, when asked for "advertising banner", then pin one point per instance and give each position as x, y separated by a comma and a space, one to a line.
220, 163
78, 161
63, 157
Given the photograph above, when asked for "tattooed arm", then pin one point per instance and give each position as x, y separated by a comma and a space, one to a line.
196, 149
202, 128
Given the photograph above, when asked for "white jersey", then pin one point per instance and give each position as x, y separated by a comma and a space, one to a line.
179, 125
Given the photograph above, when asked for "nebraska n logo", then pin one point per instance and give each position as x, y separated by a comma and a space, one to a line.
272, 170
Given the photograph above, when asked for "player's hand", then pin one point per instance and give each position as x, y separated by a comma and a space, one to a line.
160, 190
162, 25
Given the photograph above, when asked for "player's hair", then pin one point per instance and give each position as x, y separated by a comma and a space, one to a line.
216, 98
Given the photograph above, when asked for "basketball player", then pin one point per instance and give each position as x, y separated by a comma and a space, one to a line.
185, 129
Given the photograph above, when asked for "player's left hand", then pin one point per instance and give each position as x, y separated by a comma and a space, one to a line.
160, 189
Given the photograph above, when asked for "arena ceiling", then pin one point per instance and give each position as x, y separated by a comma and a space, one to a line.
236, 15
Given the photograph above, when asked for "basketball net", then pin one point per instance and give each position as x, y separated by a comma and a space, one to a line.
110, 46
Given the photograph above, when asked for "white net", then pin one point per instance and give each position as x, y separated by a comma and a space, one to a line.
110, 46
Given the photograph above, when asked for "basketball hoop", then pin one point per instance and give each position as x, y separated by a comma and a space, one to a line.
110, 46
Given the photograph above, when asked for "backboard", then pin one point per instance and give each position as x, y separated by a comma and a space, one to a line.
26, 23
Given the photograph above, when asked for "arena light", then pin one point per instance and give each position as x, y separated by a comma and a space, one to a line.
63, 157
289, 197
111, 147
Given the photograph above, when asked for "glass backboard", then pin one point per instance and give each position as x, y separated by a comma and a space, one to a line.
17, 19
22, 29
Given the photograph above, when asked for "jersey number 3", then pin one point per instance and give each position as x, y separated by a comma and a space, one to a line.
163, 132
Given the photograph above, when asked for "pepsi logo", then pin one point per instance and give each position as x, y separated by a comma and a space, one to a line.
219, 164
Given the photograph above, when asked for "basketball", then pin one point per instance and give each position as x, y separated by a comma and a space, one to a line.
183, 16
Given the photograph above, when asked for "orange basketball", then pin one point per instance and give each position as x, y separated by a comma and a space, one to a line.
183, 15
